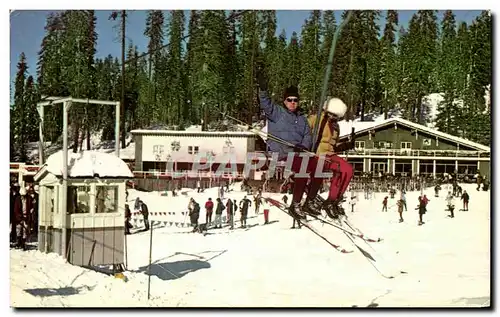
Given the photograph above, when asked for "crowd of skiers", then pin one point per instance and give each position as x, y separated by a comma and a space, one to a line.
23, 214
201, 220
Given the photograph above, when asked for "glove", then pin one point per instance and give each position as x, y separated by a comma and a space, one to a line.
261, 79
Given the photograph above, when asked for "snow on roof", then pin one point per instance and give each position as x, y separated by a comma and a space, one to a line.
375, 124
191, 132
88, 164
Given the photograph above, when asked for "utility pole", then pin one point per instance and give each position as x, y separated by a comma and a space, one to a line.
122, 100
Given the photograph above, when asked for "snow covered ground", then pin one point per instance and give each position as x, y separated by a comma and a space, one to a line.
447, 261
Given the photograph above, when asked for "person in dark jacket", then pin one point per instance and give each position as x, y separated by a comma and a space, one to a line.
230, 213
13, 219
289, 124
145, 214
194, 213
128, 215
218, 213
421, 210
245, 203
465, 198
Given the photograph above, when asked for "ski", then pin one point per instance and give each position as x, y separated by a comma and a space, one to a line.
284, 208
359, 235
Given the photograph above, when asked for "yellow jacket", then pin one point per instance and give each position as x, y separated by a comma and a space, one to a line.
329, 138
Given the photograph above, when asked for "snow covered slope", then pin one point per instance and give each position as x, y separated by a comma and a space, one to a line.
447, 260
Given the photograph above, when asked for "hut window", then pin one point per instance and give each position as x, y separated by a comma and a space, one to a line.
106, 199
49, 198
79, 199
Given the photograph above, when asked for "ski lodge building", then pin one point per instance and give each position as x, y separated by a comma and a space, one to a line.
404, 148
395, 146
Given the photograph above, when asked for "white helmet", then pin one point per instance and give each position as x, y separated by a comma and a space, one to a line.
336, 107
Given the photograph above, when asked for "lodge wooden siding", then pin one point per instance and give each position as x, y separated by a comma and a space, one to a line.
404, 134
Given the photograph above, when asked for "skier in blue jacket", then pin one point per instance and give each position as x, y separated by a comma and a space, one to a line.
286, 122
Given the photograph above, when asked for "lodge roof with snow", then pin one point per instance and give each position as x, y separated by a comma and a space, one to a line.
366, 126
194, 133
86, 164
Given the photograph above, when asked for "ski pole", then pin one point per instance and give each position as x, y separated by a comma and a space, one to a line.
326, 78
270, 136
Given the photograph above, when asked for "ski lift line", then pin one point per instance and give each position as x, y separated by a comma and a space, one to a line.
230, 17
326, 78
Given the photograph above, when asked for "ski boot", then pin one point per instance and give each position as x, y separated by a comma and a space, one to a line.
333, 208
296, 212
313, 206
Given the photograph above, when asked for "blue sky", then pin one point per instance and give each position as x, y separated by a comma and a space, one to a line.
27, 31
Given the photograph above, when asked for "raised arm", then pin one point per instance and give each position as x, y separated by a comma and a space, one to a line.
272, 111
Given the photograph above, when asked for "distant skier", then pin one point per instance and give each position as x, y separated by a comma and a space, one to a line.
425, 201
209, 207
400, 205
421, 210
128, 216
194, 214
257, 202
437, 188
218, 213
230, 213
465, 198
403, 199
145, 214
384, 204
265, 206
450, 204
245, 203
479, 180
392, 193
486, 184
352, 202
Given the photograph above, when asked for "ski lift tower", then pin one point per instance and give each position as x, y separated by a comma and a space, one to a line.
67, 103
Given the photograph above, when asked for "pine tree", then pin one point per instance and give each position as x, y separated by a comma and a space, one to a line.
49, 74
193, 115
154, 32
310, 61
448, 70
388, 65
292, 62
19, 118
176, 98
328, 27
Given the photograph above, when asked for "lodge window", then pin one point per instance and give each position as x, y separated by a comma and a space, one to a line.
406, 145
193, 149
360, 145
388, 145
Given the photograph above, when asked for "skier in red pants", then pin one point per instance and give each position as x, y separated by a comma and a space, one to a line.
328, 145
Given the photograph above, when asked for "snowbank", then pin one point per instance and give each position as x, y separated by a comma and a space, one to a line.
447, 260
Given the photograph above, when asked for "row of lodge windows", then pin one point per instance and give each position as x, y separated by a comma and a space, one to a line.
360, 145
